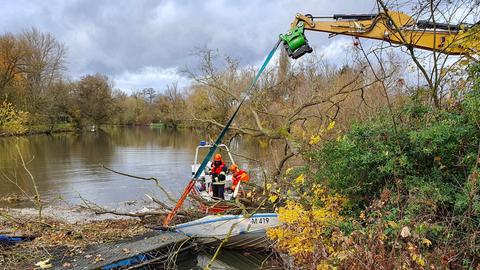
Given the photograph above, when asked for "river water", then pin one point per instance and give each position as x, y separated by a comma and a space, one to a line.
68, 165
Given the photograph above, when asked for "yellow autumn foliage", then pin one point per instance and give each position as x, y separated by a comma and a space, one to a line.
305, 233
12, 121
300, 179
316, 138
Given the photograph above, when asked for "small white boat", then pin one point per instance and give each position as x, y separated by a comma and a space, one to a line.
242, 231
238, 231
204, 183
203, 187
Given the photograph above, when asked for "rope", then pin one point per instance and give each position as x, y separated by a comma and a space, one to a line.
219, 139
227, 126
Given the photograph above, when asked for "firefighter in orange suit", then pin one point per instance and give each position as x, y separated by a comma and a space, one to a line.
219, 175
238, 176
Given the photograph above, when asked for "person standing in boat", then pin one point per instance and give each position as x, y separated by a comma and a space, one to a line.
219, 175
238, 176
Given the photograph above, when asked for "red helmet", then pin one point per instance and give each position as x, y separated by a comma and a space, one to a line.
217, 157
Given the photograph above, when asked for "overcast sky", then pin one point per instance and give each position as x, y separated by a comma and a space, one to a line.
145, 43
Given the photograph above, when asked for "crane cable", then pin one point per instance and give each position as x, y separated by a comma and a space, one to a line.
210, 153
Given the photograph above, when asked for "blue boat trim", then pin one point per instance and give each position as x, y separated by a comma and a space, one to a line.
127, 262
6, 240
224, 218
239, 233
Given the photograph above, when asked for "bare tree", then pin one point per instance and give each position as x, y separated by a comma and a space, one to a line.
149, 94
437, 15
288, 105
93, 99
42, 65
11, 54
171, 104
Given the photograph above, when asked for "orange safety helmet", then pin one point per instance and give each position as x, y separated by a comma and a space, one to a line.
234, 167
217, 157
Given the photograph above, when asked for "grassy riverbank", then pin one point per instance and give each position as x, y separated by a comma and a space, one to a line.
24, 129
67, 127
45, 129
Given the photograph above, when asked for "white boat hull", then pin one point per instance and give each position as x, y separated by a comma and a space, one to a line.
242, 232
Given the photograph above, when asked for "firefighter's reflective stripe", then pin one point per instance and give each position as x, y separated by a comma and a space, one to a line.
218, 181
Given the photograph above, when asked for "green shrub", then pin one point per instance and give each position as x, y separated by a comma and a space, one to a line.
426, 157
420, 174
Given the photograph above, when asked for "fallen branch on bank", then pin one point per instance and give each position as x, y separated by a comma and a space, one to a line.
57, 238
157, 201
100, 210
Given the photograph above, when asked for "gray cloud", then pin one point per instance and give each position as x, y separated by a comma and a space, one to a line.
130, 39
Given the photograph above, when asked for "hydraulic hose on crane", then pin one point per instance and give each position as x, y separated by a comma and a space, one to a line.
218, 141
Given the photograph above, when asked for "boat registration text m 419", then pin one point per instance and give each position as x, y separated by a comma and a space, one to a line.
260, 220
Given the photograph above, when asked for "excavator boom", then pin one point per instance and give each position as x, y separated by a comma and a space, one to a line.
393, 27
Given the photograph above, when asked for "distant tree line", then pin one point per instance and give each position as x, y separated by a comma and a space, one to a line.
40, 97
35, 93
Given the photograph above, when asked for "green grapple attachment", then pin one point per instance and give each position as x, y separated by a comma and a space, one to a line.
295, 42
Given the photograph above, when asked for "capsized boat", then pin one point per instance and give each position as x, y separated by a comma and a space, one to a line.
238, 231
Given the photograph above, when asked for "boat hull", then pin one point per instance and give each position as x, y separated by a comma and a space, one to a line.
237, 231
253, 240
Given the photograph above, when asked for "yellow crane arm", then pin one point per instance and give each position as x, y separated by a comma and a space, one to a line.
394, 27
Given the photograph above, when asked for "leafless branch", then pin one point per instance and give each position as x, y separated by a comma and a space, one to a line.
157, 183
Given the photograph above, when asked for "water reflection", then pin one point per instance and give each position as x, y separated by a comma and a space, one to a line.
227, 259
65, 165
